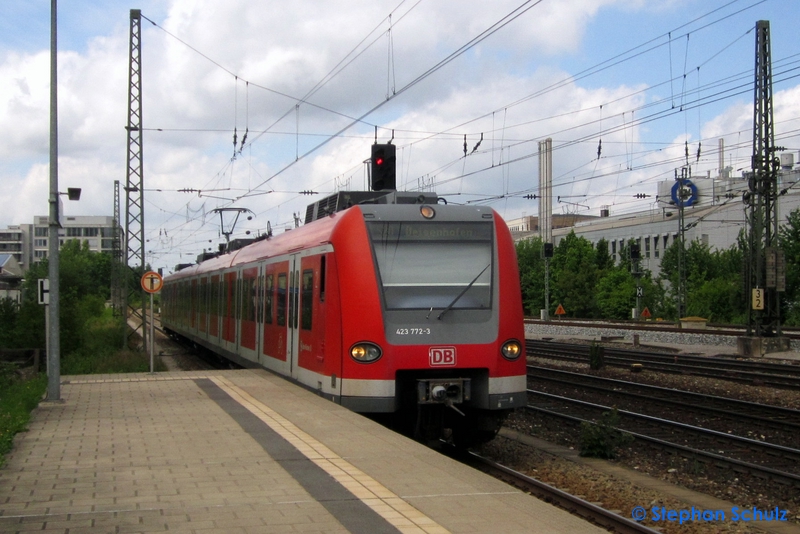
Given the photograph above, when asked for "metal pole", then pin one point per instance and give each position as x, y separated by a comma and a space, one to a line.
152, 339
547, 288
53, 354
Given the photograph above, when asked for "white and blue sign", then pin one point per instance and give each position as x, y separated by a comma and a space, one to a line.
684, 193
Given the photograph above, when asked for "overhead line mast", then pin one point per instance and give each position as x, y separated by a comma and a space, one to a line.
765, 271
134, 185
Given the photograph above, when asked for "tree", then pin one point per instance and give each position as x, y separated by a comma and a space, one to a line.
616, 294
575, 275
531, 272
604, 259
84, 282
713, 280
789, 240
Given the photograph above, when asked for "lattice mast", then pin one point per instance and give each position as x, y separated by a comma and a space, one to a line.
763, 270
134, 188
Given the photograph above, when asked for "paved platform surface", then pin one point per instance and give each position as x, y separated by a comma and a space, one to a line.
240, 452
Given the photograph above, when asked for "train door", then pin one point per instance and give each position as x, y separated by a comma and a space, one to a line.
213, 315
248, 304
193, 305
229, 309
293, 316
204, 296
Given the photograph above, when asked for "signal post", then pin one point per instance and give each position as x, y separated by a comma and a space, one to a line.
152, 283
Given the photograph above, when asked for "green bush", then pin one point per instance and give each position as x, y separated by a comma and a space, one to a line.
99, 353
602, 439
597, 358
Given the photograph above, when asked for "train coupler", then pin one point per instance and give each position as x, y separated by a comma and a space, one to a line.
444, 391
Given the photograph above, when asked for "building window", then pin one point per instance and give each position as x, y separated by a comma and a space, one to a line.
39, 254
40, 242
40, 231
73, 232
91, 232
647, 247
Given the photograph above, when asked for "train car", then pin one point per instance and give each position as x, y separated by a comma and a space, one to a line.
399, 305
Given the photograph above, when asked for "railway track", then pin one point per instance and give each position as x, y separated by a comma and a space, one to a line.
777, 375
762, 422
575, 505
714, 448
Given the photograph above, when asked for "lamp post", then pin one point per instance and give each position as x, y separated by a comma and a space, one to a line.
53, 338
54, 223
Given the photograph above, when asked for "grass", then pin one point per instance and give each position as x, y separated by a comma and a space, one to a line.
17, 398
98, 354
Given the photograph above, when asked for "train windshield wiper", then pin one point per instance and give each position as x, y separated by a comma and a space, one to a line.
450, 306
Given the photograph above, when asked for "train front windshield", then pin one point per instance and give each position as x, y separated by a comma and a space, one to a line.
424, 265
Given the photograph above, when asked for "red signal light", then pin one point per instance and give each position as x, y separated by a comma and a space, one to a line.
379, 161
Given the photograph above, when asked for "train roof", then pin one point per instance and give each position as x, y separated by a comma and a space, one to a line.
308, 235
315, 233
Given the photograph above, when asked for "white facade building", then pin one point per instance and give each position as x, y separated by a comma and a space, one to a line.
28, 243
715, 216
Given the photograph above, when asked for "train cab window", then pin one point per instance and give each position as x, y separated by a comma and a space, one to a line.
268, 299
281, 297
434, 265
307, 304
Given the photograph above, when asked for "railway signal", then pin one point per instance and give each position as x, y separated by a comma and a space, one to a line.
383, 167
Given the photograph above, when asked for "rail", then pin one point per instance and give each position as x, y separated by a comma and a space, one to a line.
573, 504
766, 453
760, 373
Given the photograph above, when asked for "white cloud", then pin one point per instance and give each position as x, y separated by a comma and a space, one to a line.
287, 48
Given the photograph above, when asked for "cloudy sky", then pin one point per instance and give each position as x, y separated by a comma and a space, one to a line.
637, 82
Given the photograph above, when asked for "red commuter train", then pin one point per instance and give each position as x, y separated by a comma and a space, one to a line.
398, 304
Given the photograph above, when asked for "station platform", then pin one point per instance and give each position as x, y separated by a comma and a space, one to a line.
240, 451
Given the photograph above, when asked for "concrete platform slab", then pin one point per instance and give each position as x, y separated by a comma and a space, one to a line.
240, 451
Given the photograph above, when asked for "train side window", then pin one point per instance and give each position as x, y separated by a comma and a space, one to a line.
307, 299
269, 298
227, 291
218, 296
236, 313
249, 295
322, 279
281, 296
259, 298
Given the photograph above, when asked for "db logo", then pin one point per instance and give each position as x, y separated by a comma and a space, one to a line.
442, 356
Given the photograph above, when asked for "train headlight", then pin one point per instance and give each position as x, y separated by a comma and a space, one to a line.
427, 212
365, 352
511, 350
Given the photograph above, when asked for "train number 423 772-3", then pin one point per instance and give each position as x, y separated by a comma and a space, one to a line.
413, 331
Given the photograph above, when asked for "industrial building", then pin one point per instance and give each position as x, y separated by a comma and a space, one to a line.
713, 214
